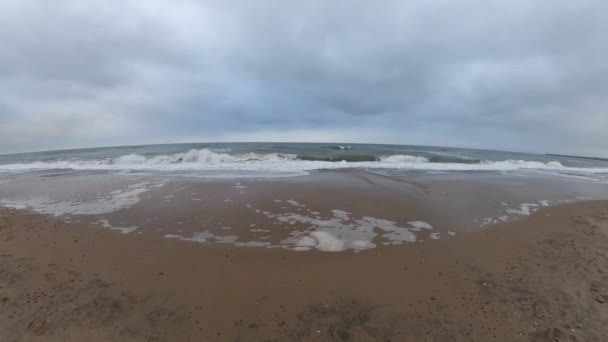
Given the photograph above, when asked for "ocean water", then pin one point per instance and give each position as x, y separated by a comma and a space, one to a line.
418, 193
292, 159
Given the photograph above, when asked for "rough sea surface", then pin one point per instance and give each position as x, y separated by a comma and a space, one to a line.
292, 159
301, 197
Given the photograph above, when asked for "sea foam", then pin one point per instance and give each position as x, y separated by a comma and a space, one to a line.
208, 163
102, 204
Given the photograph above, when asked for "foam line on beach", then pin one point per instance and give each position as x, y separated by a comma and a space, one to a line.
102, 204
340, 231
125, 230
510, 212
336, 232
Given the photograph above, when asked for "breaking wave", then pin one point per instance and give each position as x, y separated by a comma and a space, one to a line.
203, 156
399, 158
274, 163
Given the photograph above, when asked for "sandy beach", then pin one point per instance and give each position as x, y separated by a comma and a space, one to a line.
286, 171
540, 278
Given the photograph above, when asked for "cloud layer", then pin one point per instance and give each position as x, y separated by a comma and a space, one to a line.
522, 75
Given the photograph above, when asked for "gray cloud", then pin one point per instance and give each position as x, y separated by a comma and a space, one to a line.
523, 75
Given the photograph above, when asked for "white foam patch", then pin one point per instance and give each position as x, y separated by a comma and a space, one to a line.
404, 159
231, 239
259, 230
341, 214
199, 237
105, 203
208, 237
420, 225
486, 221
295, 203
524, 209
172, 236
341, 232
393, 233
327, 242
306, 241
362, 244
125, 230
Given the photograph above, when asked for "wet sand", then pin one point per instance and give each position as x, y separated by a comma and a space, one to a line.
359, 209
541, 278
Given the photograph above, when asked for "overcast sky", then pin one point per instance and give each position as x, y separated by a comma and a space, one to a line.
516, 75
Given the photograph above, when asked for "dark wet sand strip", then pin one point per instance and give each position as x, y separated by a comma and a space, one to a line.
541, 278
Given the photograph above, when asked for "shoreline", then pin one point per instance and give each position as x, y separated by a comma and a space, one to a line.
327, 210
538, 278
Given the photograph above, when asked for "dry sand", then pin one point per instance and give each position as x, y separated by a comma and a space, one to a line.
541, 278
